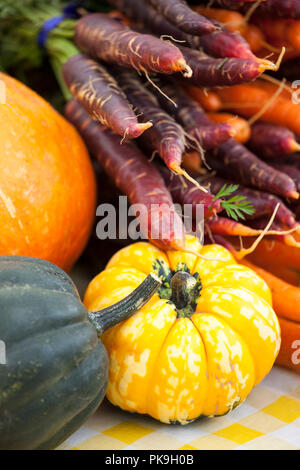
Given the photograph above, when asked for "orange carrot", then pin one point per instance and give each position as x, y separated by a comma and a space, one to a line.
255, 37
192, 161
224, 226
286, 298
280, 31
290, 53
286, 303
289, 354
206, 98
272, 88
284, 273
249, 99
233, 20
273, 254
240, 125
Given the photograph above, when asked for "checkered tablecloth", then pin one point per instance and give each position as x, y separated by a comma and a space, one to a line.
269, 419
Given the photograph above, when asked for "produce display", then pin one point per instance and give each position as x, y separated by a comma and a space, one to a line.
173, 104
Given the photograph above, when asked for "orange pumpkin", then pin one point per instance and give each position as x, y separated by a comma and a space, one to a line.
47, 184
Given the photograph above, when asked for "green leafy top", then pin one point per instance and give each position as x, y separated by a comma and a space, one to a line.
236, 207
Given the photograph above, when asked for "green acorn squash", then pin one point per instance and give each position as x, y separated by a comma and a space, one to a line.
56, 368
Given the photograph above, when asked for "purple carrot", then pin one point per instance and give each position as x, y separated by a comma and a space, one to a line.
135, 176
234, 161
107, 39
192, 117
208, 137
211, 72
263, 203
292, 159
270, 141
290, 170
180, 14
222, 43
184, 192
97, 91
166, 136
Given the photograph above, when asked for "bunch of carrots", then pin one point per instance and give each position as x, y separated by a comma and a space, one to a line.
184, 103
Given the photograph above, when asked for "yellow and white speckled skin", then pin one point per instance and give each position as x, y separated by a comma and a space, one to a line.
177, 369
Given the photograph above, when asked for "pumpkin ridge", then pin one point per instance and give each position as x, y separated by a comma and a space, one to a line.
240, 288
239, 335
206, 357
195, 264
242, 341
154, 362
183, 374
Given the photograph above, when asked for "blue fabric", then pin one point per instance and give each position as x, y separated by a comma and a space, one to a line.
70, 11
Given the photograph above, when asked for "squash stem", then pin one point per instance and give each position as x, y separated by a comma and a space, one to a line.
184, 289
110, 316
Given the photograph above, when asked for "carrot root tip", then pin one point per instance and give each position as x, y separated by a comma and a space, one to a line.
187, 73
268, 65
138, 129
294, 195
180, 171
294, 146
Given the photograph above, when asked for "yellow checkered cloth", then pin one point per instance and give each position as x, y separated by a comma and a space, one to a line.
268, 420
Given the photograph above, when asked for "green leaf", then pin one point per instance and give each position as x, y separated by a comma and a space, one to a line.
237, 206
226, 190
